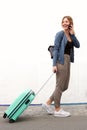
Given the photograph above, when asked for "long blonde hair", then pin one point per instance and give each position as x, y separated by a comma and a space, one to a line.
69, 18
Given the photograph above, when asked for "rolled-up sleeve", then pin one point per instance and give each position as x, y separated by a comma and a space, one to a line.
75, 41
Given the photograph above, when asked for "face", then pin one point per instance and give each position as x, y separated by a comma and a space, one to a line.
65, 23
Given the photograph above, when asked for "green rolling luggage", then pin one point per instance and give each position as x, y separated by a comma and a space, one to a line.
19, 105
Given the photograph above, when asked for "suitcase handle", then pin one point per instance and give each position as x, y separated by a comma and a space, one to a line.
44, 83
27, 101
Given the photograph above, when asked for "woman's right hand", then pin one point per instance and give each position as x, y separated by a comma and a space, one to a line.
55, 69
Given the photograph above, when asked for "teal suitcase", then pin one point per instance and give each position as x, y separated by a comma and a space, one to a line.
19, 105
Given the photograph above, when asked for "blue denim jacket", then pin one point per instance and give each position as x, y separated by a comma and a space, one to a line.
59, 47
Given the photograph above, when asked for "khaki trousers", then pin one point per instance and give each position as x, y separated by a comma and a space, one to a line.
62, 80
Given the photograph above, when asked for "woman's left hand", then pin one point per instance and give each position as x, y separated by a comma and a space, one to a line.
71, 30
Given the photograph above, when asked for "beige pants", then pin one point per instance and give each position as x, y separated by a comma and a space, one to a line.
62, 80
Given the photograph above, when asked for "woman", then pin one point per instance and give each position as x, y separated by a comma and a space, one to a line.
63, 55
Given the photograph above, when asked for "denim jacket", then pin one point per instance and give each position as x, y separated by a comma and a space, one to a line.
59, 47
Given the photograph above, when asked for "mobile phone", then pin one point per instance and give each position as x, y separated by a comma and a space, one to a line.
70, 26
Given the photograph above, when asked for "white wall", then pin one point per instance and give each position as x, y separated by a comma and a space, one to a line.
27, 28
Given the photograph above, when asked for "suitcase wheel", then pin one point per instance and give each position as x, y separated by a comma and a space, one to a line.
5, 115
11, 121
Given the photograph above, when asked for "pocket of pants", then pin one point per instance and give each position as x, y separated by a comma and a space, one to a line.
60, 67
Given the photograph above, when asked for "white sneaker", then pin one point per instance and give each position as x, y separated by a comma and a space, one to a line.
48, 108
61, 113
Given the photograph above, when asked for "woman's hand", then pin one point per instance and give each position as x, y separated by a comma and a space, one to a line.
55, 69
71, 29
